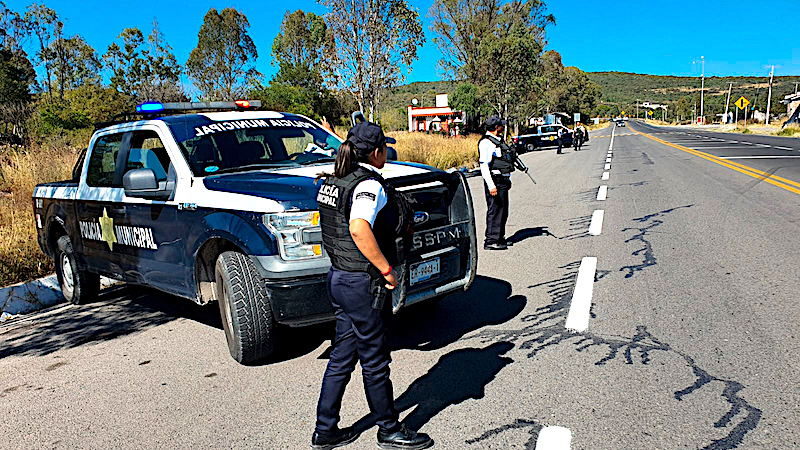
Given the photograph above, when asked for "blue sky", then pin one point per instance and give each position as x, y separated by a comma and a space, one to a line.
660, 38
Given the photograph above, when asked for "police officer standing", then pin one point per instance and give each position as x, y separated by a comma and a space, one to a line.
560, 139
359, 216
496, 172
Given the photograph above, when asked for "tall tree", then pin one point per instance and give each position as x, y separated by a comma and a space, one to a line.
299, 49
45, 25
144, 71
13, 29
222, 64
74, 63
462, 25
373, 43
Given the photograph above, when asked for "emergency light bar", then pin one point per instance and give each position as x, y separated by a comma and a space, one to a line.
155, 107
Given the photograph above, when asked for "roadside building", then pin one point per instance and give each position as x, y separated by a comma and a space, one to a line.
792, 102
435, 118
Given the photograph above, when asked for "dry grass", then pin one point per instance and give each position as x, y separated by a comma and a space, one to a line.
437, 150
20, 170
790, 130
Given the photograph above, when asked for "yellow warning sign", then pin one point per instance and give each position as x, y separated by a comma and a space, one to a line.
742, 103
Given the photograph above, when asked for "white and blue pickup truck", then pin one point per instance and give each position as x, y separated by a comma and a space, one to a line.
220, 205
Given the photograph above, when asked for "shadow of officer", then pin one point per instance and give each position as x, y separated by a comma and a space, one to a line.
458, 376
488, 302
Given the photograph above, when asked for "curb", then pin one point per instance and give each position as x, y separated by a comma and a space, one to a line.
24, 298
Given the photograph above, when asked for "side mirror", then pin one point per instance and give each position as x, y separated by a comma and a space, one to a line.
391, 154
142, 183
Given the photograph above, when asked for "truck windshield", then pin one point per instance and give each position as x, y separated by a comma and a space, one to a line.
240, 145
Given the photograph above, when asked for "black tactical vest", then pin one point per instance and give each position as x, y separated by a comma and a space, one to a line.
505, 162
334, 199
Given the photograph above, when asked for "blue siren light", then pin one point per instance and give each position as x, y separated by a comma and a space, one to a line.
149, 107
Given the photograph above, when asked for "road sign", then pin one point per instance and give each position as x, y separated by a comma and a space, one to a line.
650, 112
623, 113
742, 103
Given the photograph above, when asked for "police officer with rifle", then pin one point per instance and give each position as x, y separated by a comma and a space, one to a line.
366, 231
497, 160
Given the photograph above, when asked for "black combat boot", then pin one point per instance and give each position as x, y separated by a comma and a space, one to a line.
336, 438
404, 439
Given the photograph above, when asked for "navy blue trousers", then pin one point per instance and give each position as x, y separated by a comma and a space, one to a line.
497, 211
361, 335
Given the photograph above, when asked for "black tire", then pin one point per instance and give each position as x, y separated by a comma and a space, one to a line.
78, 286
244, 305
530, 147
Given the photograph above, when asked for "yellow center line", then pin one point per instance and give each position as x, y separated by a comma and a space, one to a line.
775, 180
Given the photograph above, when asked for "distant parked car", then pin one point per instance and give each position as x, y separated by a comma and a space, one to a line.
620, 123
544, 136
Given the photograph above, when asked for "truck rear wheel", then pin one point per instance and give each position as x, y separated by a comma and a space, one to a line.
78, 286
244, 305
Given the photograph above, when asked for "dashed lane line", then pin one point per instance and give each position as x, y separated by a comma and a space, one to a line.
596, 225
605, 176
578, 316
602, 192
554, 438
608, 166
608, 160
783, 148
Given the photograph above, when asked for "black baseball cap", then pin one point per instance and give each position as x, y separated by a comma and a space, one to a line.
368, 136
494, 121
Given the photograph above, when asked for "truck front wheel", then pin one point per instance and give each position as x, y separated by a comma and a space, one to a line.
78, 286
244, 305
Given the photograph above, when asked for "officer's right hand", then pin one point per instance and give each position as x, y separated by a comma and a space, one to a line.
392, 280
493, 191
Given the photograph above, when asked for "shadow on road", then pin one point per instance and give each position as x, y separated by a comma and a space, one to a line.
458, 376
525, 233
431, 327
115, 313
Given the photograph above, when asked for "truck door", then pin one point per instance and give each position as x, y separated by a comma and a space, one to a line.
99, 204
152, 241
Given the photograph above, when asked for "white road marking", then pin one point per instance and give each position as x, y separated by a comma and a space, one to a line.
759, 157
608, 166
596, 226
611, 143
578, 317
605, 175
602, 192
784, 148
608, 160
554, 438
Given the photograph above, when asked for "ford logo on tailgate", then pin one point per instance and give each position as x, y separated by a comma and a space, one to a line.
421, 217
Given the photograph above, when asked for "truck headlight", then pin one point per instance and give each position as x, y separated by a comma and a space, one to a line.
298, 233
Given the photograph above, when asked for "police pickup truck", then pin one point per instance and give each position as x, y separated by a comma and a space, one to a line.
220, 205
543, 136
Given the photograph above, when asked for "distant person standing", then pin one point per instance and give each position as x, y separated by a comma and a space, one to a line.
577, 138
496, 172
560, 139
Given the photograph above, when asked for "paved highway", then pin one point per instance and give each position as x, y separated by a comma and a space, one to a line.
660, 311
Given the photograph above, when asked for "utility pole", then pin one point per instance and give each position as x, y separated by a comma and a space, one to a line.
637, 108
728, 102
702, 87
769, 96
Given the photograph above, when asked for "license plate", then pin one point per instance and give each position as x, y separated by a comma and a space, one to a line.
425, 270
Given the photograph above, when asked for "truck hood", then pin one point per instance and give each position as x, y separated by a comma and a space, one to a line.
294, 188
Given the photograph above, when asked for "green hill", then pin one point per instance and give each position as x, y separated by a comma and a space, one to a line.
624, 89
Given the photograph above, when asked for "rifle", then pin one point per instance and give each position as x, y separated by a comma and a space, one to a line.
519, 164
